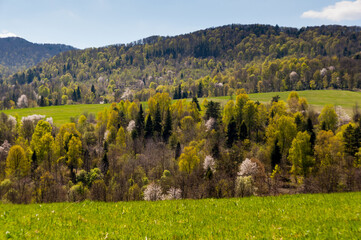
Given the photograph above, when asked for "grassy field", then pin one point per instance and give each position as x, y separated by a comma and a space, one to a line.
319, 98
331, 216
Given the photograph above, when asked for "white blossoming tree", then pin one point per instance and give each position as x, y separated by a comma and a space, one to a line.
153, 192
22, 101
247, 168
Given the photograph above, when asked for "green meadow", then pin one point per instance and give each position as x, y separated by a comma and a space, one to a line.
317, 216
316, 98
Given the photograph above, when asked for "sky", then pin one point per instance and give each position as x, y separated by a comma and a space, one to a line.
96, 23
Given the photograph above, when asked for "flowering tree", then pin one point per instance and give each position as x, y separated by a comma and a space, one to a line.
247, 168
153, 192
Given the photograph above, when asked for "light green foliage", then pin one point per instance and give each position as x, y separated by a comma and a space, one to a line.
284, 129
244, 186
328, 149
300, 154
328, 117
42, 140
17, 163
74, 152
188, 159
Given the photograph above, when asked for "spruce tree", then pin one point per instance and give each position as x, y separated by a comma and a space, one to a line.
93, 89
309, 129
139, 123
195, 100
178, 151
231, 132
157, 126
148, 132
243, 131
74, 96
34, 164
200, 90
78, 93
104, 164
276, 155
348, 139
167, 131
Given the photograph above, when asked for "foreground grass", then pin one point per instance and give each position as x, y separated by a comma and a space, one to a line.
332, 216
319, 98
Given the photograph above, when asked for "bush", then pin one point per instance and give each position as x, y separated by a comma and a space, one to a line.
98, 191
78, 193
244, 186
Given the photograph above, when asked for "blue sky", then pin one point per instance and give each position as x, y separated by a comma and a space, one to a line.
95, 23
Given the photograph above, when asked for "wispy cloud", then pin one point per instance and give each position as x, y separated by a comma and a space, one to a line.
6, 34
344, 10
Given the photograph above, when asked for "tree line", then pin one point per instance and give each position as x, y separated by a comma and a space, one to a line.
181, 149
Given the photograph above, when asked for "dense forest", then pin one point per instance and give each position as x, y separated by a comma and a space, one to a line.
181, 149
212, 62
18, 54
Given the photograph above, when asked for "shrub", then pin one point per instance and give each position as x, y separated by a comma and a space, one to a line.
244, 186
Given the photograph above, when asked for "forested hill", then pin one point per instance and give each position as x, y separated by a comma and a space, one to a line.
211, 62
17, 53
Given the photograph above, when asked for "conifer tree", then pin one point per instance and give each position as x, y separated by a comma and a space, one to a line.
148, 133
243, 131
195, 100
157, 126
104, 164
34, 164
276, 154
74, 96
231, 132
178, 151
200, 90
78, 93
139, 123
167, 131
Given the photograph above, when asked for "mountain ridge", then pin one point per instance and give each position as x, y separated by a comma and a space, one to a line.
17, 53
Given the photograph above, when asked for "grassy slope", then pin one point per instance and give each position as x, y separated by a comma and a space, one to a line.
331, 216
319, 98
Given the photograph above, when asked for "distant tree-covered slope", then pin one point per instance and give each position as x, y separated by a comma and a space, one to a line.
17, 53
212, 62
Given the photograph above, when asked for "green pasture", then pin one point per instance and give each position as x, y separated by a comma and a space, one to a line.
316, 98
318, 216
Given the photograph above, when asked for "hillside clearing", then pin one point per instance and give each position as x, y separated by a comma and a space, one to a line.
316, 98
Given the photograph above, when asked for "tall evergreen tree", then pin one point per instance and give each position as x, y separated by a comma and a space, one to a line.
34, 164
139, 123
195, 100
231, 132
213, 110
157, 126
200, 90
92, 89
275, 154
310, 130
104, 164
178, 151
243, 131
74, 96
167, 131
78, 93
148, 132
